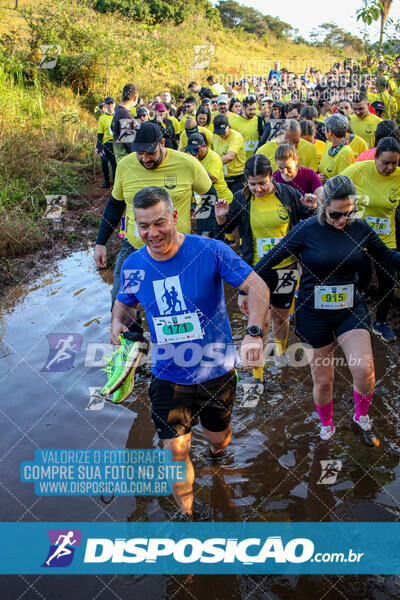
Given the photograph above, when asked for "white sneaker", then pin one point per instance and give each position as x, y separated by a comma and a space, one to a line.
364, 422
326, 432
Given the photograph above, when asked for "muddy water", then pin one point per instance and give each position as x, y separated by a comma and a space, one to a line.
269, 473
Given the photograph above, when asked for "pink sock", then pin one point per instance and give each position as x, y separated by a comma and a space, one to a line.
362, 402
325, 413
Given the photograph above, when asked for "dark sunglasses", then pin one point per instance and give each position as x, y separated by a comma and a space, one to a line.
335, 216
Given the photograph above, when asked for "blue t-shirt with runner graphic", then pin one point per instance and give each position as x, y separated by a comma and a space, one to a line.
184, 301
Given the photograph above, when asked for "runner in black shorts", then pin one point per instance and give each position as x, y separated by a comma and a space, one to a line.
179, 282
329, 307
264, 211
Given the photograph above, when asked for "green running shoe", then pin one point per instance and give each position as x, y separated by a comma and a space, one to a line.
125, 359
126, 389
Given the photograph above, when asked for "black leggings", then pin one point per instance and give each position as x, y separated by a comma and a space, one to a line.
108, 158
386, 279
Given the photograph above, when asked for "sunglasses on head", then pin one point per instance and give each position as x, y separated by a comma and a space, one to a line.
335, 215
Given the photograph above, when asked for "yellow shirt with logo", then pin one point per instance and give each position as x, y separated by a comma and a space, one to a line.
104, 127
269, 221
213, 164
378, 197
334, 165
358, 145
365, 128
248, 128
184, 137
306, 151
233, 143
179, 173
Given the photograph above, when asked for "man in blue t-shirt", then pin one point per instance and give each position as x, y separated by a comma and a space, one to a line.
178, 279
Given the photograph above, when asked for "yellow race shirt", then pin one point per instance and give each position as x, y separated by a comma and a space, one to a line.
184, 138
179, 173
269, 150
104, 127
176, 125
248, 128
213, 164
233, 143
365, 128
307, 154
396, 95
269, 222
320, 147
379, 196
334, 165
358, 145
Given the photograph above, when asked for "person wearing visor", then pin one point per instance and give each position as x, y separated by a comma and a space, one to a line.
329, 308
190, 128
166, 125
229, 145
150, 163
142, 114
211, 161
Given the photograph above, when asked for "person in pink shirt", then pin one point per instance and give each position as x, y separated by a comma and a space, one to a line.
306, 181
385, 128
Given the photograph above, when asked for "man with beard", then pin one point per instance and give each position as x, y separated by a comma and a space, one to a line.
150, 164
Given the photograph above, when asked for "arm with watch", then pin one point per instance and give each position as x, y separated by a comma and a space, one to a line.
257, 294
290, 244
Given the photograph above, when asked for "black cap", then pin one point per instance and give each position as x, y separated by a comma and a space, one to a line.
141, 111
205, 92
102, 104
194, 142
147, 138
109, 100
377, 105
220, 124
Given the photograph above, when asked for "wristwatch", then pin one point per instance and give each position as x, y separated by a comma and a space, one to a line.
254, 331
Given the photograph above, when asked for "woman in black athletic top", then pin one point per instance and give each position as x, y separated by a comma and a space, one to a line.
329, 248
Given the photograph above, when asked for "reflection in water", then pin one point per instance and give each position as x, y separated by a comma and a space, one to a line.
270, 472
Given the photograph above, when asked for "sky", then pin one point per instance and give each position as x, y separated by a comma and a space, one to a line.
308, 14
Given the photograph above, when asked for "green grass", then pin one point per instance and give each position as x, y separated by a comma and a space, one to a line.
48, 117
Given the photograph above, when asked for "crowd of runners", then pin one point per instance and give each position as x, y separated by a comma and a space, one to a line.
285, 186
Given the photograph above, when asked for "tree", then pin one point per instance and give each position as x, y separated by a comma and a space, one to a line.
332, 36
235, 15
373, 10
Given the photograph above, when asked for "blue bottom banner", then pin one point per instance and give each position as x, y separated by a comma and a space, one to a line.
200, 548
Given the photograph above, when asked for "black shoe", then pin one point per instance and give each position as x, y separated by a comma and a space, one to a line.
364, 429
105, 186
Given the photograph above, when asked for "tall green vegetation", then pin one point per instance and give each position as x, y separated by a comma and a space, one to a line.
234, 15
159, 11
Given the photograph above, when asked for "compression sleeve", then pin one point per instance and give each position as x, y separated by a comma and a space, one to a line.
111, 217
99, 144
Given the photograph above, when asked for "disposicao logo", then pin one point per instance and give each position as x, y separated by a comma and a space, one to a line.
62, 547
192, 550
